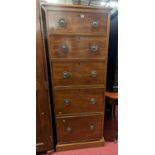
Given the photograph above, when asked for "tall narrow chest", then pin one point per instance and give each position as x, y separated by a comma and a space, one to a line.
77, 39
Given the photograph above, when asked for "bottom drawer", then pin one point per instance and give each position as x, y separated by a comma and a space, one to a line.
79, 128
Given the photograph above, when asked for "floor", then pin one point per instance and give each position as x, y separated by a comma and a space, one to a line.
110, 148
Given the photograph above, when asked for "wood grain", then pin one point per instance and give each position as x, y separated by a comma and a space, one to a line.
112, 95
76, 22
77, 47
80, 73
43, 113
80, 101
80, 127
80, 145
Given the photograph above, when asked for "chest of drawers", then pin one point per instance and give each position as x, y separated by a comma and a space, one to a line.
77, 38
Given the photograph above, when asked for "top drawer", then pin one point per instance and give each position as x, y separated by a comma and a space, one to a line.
77, 22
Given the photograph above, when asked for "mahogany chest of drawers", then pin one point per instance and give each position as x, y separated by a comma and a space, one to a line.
77, 39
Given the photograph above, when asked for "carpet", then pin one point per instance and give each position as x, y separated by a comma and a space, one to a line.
110, 148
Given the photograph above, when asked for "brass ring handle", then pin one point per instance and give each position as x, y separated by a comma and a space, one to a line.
93, 100
67, 101
64, 47
68, 129
64, 121
66, 74
94, 48
93, 73
62, 22
94, 23
91, 127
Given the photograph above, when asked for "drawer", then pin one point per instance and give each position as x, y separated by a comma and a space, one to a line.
78, 73
75, 101
82, 128
82, 47
77, 22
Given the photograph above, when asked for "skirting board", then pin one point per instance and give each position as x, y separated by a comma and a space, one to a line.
80, 145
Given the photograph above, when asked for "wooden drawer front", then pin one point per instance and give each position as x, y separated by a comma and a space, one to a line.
75, 101
82, 73
72, 22
74, 129
82, 47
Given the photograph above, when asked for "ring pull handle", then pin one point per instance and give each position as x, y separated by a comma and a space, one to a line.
66, 75
62, 22
93, 101
91, 127
82, 16
94, 23
93, 48
64, 47
93, 73
67, 101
